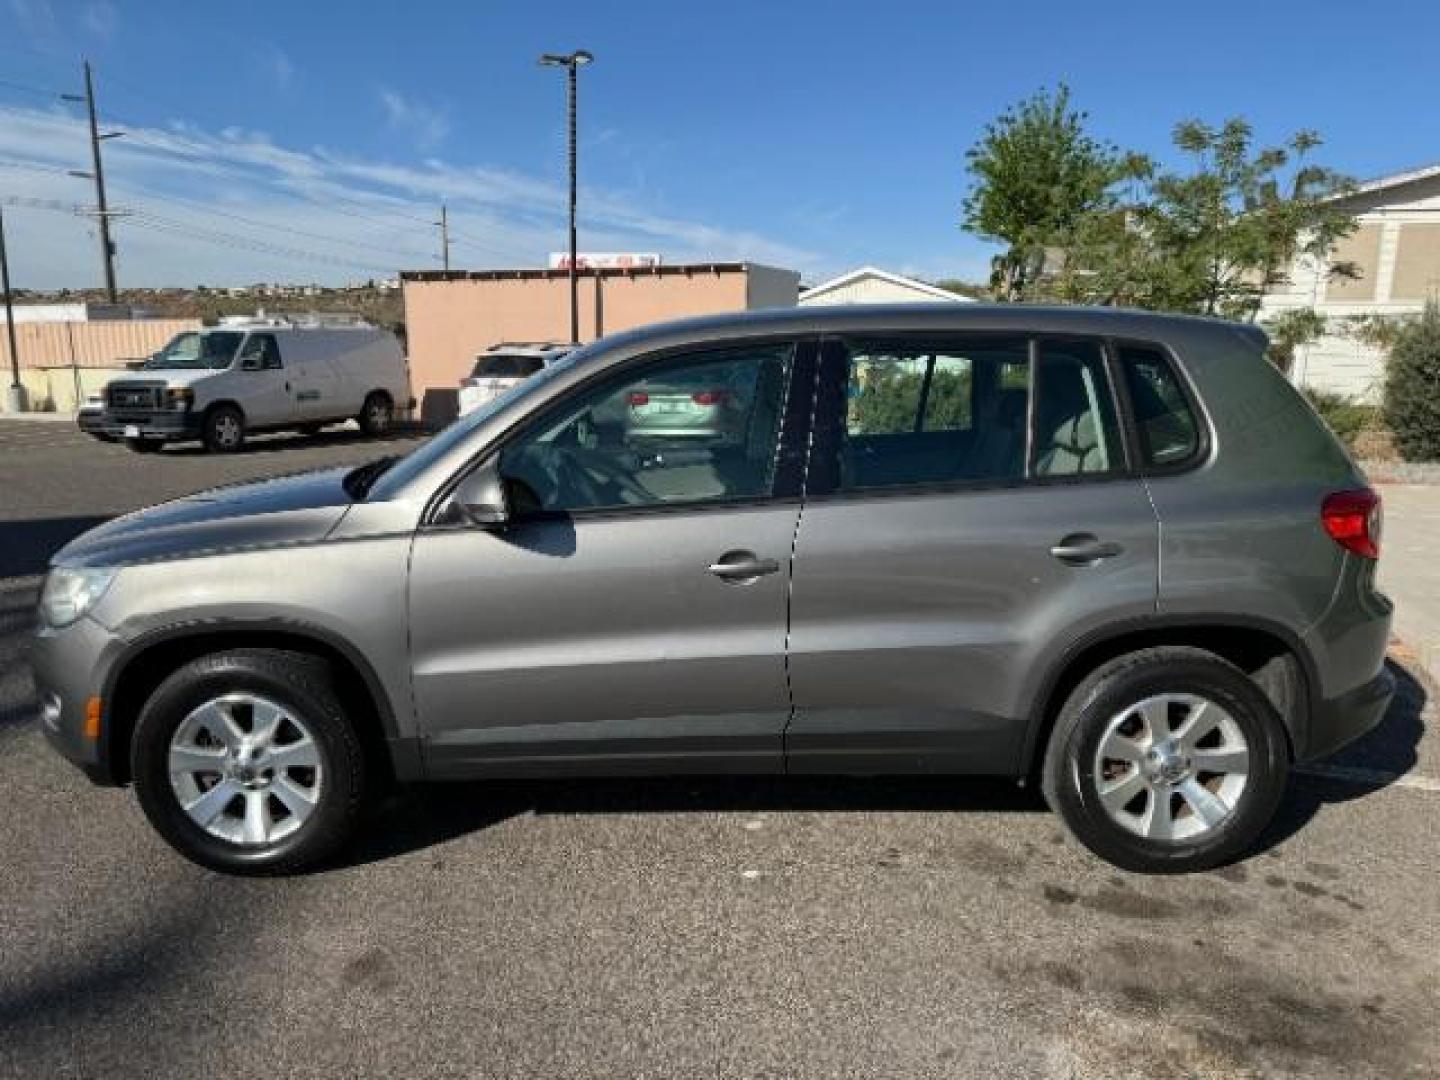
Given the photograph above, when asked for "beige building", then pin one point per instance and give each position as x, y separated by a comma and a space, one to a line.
1397, 250
450, 316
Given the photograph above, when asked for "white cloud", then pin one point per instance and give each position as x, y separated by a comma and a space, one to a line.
312, 215
425, 125
100, 18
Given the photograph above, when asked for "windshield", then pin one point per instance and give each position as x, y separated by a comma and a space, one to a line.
197, 350
425, 455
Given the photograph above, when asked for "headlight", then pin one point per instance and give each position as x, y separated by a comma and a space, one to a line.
70, 592
180, 399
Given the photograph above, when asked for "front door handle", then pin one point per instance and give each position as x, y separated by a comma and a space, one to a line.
742, 567
1083, 549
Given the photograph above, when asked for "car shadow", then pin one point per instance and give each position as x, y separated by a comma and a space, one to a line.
430, 814
1367, 765
426, 815
26, 545
279, 442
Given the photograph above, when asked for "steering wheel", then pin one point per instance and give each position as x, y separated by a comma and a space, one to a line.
611, 471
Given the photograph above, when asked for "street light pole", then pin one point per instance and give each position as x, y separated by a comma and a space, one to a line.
572, 63
15, 397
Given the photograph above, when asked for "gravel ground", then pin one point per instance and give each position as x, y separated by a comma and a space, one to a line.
725, 928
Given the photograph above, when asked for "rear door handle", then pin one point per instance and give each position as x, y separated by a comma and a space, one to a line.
1082, 549
742, 566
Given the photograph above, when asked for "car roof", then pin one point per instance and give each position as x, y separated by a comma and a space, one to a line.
943, 317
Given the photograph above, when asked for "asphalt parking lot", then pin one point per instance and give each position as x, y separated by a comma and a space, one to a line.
735, 928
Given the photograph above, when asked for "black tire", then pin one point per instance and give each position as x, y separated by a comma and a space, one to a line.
143, 446
1069, 772
302, 686
223, 429
377, 414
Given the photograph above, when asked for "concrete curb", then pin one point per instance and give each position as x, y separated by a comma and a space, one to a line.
40, 417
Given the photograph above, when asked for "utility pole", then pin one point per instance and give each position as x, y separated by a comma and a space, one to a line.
15, 397
444, 224
572, 63
102, 209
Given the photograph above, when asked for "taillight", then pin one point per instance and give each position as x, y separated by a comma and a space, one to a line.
1352, 518
708, 397
639, 398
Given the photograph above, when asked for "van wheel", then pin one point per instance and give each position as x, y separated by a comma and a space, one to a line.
223, 431
244, 762
376, 414
143, 446
1167, 760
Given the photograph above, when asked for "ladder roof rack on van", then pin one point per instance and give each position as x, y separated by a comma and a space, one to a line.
311, 320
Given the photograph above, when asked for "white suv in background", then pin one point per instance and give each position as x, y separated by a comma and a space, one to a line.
502, 366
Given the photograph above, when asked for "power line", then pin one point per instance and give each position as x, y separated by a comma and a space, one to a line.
287, 229
187, 230
29, 89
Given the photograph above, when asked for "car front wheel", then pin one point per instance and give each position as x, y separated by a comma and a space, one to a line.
223, 430
1167, 760
244, 762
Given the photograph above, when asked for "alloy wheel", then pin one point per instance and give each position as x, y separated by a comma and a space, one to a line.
245, 769
1171, 767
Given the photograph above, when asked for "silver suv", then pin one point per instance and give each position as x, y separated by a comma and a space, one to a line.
1111, 550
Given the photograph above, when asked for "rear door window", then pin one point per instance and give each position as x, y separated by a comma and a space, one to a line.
1076, 430
1168, 428
926, 414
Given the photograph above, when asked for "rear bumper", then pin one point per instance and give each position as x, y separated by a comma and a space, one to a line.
164, 425
1343, 719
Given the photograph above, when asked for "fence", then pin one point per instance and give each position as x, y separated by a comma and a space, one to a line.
63, 361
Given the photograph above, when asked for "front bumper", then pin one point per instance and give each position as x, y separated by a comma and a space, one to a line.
162, 424
91, 421
70, 667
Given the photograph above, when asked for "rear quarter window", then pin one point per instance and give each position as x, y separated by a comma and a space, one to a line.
1168, 427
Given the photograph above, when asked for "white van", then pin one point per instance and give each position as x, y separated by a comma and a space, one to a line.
259, 374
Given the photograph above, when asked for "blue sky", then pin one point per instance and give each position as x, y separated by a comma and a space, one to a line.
815, 136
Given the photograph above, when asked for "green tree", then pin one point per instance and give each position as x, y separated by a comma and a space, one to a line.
1213, 238
1291, 329
1412, 387
1036, 172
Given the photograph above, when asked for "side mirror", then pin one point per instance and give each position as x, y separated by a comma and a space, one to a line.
481, 499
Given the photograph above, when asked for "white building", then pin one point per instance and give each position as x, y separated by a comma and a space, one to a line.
1397, 251
869, 285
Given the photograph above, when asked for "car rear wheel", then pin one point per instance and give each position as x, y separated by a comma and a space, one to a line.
377, 414
1167, 760
223, 430
245, 762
